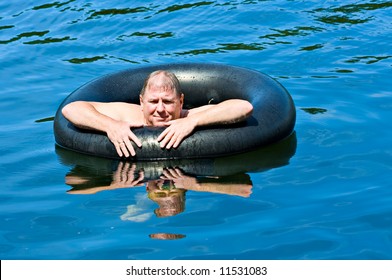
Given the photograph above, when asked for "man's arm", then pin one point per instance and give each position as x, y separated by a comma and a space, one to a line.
108, 118
226, 112
214, 185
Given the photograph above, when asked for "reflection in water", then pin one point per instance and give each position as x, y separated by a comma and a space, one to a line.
171, 200
168, 191
349, 14
166, 236
167, 182
314, 111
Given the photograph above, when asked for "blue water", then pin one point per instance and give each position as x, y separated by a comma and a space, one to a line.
325, 193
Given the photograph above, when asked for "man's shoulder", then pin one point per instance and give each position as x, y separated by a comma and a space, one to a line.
115, 106
119, 110
128, 111
123, 104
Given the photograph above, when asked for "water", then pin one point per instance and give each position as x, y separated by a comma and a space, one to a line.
324, 194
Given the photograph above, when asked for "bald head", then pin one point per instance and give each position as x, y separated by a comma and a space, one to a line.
162, 80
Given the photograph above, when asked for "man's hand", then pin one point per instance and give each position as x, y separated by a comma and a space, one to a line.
180, 180
120, 135
176, 131
125, 176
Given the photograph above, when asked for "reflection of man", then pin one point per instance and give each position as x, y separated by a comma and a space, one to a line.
241, 187
168, 191
166, 236
125, 176
170, 199
161, 104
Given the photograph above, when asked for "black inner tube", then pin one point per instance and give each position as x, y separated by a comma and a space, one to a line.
273, 117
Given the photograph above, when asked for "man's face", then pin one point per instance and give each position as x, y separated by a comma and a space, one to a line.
160, 105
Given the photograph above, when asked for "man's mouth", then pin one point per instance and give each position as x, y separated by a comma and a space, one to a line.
160, 118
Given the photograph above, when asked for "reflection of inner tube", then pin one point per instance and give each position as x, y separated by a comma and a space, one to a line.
273, 116
99, 171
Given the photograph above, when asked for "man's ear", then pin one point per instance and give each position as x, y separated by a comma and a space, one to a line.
141, 101
182, 99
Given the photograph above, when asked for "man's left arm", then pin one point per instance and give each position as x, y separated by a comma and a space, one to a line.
226, 112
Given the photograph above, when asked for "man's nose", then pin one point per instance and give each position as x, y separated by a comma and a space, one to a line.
160, 106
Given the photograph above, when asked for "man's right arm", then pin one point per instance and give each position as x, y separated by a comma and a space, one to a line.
105, 117
85, 115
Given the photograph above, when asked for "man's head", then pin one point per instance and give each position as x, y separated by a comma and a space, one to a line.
171, 200
161, 98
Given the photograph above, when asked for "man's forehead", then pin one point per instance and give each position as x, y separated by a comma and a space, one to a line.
159, 92
159, 88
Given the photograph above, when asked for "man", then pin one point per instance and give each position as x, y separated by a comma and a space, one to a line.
161, 104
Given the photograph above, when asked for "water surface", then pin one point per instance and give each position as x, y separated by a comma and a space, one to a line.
325, 193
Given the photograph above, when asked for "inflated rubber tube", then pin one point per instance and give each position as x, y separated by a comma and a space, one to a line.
272, 120
93, 169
